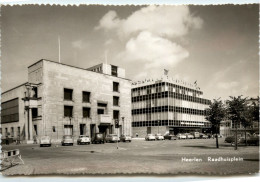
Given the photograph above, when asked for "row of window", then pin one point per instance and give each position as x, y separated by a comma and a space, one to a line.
167, 94
86, 112
167, 116
10, 111
161, 87
171, 123
168, 102
68, 93
168, 109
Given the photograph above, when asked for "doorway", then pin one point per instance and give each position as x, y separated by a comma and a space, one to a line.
68, 129
149, 130
92, 130
82, 129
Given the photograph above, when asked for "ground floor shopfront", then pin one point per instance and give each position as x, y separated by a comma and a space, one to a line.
143, 131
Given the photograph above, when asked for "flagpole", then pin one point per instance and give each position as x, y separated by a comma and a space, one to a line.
59, 47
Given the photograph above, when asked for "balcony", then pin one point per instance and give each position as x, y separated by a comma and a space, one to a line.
104, 119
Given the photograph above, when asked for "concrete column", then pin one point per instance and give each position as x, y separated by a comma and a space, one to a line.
30, 125
26, 125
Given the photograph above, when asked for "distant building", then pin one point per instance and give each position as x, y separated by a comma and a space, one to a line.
227, 127
168, 105
60, 99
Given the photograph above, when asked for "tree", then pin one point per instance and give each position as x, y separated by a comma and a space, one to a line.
236, 109
215, 114
247, 119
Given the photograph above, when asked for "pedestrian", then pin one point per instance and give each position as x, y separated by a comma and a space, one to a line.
136, 135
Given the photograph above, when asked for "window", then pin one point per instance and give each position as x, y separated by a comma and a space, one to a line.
18, 131
68, 110
115, 101
115, 86
34, 112
86, 112
115, 114
12, 131
68, 94
113, 70
86, 96
10, 111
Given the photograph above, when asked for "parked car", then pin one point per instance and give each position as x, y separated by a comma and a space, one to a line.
181, 136
67, 140
203, 136
98, 138
112, 138
83, 139
159, 136
149, 137
169, 136
189, 136
125, 138
196, 134
45, 141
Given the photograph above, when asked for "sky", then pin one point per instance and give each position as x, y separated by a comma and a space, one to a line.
215, 45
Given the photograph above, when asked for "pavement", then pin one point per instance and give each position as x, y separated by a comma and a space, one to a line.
138, 157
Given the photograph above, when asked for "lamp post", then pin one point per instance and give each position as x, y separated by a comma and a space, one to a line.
123, 125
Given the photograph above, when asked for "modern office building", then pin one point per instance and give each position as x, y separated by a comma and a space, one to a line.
61, 99
168, 105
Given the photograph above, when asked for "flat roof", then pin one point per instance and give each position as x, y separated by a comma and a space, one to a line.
75, 67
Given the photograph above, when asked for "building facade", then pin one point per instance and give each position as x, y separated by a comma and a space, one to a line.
62, 100
167, 105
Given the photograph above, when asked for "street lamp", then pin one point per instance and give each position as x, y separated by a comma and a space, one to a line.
123, 124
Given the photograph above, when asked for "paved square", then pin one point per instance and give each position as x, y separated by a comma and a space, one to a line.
137, 157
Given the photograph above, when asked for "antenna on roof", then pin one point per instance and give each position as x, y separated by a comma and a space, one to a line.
59, 47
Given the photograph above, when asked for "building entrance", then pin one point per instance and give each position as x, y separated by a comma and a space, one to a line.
105, 129
68, 129
82, 129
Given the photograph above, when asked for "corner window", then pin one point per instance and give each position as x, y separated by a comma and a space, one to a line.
115, 86
68, 110
86, 96
68, 94
115, 101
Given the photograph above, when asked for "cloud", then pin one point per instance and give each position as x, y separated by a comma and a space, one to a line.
78, 44
150, 36
109, 21
153, 51
171, 21
227, 85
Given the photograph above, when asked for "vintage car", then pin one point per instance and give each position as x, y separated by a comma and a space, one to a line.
181, 136
45, 141
125, 138
112, 138
67, 140
189, 136
150, 137
159, 136
83, 139
98, 138
169, 136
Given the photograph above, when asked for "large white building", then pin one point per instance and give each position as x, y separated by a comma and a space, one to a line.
61, 99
